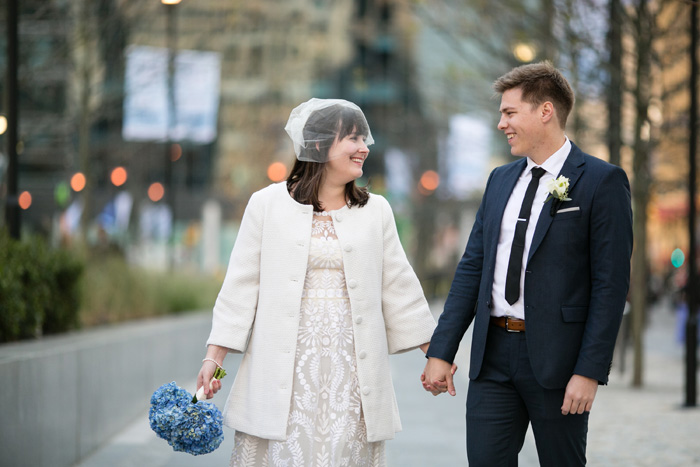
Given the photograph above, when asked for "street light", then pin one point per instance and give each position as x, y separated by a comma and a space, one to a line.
524, 53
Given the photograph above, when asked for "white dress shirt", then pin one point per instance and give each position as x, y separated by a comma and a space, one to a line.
552, 166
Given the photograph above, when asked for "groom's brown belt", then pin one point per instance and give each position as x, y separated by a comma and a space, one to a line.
508, 323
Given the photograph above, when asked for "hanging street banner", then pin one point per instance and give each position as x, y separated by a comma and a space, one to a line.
196, 95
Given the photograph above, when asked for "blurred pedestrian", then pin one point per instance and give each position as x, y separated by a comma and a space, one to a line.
544, 278
317, 294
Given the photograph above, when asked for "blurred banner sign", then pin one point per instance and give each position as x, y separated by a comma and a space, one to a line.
465, 155
196, 95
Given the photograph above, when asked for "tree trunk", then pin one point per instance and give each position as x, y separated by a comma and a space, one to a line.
83, 62
550, 50
641, 185
615, 88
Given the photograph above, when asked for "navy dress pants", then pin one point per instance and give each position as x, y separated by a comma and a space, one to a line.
506, 397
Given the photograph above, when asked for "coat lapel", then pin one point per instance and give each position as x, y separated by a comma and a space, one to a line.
504, 188
572, 169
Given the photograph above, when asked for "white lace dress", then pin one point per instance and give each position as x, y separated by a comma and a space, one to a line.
326, 427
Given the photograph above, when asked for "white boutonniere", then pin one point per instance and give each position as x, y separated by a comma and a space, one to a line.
558, 188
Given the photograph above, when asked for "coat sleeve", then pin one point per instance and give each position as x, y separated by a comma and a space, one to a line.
409, 322
234, 310
611, 250
460, 305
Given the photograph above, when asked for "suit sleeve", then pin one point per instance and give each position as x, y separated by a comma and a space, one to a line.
407, 317
234, 310
610, 253
460, 306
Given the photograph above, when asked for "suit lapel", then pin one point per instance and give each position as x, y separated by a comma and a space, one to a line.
504, 188
572, 169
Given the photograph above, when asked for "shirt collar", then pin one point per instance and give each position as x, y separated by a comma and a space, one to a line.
555, 162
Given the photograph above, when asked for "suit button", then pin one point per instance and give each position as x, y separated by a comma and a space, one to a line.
362, 354
352, 283
365, 390
358, 319
348, 248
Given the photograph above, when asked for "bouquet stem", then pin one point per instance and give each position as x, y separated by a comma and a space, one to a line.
218, 374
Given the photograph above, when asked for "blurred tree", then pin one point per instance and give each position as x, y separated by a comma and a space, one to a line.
614, 88
643, 33
85, 64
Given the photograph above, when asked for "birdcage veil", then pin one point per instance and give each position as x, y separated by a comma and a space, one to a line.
315, 124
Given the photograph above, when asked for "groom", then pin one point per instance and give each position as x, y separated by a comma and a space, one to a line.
544, 278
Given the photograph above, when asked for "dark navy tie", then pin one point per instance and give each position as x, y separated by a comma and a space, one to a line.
516, 251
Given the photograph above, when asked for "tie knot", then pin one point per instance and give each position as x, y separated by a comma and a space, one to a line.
537, 172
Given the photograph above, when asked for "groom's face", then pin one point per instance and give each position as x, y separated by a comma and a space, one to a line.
521, 123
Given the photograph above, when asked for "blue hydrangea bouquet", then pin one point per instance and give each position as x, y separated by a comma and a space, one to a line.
187, 423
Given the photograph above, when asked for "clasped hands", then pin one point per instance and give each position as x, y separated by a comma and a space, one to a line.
437, 376
578, 397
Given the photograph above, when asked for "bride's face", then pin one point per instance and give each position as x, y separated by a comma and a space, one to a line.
346, 158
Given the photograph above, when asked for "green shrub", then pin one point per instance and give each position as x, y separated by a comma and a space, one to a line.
64, 312
38, 289
47, 291
114, 291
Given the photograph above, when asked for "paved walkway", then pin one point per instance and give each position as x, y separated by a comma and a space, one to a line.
628, 427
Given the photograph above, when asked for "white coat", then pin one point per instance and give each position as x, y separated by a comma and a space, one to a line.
258, 308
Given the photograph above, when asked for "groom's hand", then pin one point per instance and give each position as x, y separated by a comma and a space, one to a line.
437, 376
579, 395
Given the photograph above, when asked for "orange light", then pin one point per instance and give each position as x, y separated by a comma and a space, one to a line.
175, 152
276, 171
118, 176
77, 182
156, 192
25, 200
430, 180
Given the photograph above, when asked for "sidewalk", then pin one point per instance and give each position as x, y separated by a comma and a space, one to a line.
628, 427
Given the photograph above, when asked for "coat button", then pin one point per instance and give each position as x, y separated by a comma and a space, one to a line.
348, 248
352, 283
365, 390
358, 319
339, 217
362, 354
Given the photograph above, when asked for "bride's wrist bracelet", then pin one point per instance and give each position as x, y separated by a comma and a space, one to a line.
207, 359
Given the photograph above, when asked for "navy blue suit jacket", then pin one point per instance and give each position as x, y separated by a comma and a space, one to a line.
576, 279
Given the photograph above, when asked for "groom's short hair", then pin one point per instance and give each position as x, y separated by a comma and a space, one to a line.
540, 82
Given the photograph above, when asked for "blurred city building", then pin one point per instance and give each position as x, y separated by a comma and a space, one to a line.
75, 59
421, 72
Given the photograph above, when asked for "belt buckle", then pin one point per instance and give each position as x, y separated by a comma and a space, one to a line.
507, 328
